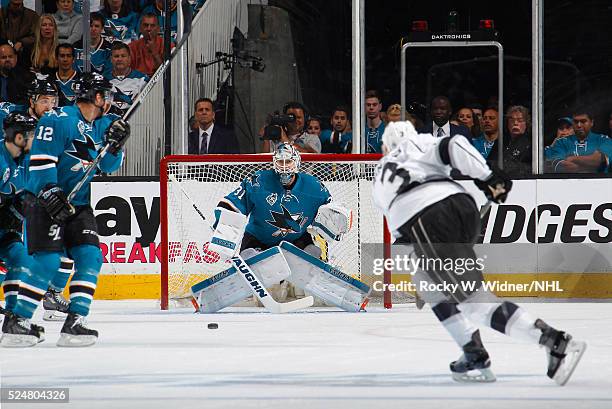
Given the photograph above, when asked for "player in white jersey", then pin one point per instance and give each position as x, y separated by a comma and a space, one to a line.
427, 209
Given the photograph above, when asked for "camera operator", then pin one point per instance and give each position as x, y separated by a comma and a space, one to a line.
291, 125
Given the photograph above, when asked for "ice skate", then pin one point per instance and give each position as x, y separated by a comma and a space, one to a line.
75, 332
564, 353
17, 332
474, 365
55, 306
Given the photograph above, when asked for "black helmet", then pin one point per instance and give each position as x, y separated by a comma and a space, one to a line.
17, 122
90, 84
42, 86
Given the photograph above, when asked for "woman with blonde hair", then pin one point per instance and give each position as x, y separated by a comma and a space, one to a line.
42, 54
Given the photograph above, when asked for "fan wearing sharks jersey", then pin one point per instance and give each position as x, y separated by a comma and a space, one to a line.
66, 141
126, 82
100, 49
19, 131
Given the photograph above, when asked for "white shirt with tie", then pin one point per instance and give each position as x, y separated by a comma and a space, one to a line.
445, 128
205, 139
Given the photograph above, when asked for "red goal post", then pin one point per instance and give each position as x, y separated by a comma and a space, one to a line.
208, 178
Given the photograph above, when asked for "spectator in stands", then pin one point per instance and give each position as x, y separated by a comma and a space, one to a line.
17, 25
375, 126
477, 110
565, 127
120, 21
157, 9
126, 81
210, 138
50, 6
394, 113
466, 117
314, 126
66, 75
440, 125
583, 152
517, 142
69, 27
12, 85
490, 125
42, 54
339, 138
148, 51
295, 134
100, 47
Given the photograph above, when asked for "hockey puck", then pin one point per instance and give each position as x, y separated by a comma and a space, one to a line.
213, 325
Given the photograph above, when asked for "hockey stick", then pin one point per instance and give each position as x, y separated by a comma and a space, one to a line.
187, 16
195, 207
259, 291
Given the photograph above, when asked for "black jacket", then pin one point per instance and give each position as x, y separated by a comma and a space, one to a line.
222, 140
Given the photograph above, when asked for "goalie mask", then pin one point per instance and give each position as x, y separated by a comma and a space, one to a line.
286, 161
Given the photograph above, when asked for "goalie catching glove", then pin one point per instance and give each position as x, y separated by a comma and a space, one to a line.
54, 200
332, 221
228, 235
117, 135
496, 187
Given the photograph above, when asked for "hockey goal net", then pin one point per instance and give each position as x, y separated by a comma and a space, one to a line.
203, 180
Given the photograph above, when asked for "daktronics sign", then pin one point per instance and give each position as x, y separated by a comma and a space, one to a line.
568, 211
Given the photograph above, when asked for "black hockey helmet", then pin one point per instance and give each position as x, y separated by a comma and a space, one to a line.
17, 122
42, 86
90, 84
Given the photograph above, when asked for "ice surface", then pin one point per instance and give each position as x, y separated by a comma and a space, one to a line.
146, 358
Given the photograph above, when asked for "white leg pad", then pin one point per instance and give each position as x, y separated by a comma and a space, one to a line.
227, 287
323, 280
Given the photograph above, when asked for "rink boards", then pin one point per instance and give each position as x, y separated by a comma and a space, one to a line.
574, 240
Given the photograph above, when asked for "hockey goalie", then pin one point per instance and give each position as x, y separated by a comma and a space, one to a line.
266, 227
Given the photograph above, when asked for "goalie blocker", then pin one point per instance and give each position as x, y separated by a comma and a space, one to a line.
279, 263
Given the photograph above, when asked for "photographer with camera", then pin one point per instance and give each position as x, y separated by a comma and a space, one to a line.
288, 127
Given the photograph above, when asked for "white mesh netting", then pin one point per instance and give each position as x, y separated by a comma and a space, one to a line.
189, 261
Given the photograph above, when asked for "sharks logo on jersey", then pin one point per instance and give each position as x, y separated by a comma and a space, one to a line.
276, 213
254, 180
286, 222
121, 28
81, 150
126, 88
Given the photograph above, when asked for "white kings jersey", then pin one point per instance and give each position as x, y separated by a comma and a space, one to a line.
416, 175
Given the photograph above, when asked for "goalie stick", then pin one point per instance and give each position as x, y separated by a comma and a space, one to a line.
253, 281
259, 291
187, 16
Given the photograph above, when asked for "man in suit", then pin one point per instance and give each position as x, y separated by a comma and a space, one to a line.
440, 126
208, 137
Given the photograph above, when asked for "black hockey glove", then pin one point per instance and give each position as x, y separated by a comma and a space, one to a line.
11, 219
54, 200
496, 187
117, 135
